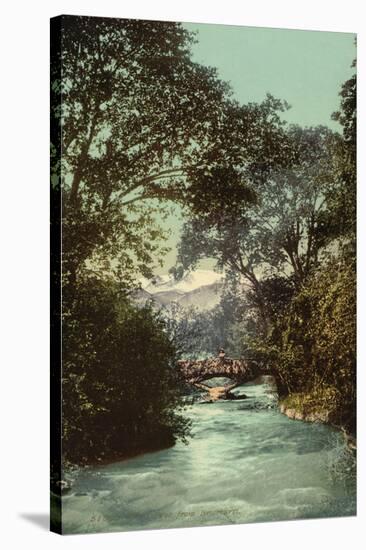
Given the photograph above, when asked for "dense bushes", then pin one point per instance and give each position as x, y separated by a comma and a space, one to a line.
120, 389
312, 345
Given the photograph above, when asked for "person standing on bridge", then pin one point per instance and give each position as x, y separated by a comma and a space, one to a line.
221, 353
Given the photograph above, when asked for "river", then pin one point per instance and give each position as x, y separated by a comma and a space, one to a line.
246, 463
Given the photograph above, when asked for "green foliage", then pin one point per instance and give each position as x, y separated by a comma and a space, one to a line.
347, 115
342, 214
121, 392
138, 118
177, 272
223, 320
322, 402
198, 334
312, 345
281, 231
186, 328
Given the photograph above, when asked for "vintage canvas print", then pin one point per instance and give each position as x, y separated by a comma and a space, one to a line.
203, 274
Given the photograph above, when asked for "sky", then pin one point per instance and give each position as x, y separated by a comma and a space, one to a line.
305, 68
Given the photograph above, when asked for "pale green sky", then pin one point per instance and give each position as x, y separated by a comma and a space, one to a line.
305, 68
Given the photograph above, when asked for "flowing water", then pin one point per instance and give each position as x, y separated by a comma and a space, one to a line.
246, 463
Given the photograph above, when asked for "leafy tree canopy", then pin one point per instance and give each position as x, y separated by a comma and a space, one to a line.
143, 124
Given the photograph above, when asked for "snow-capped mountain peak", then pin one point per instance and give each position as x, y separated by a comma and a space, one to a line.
192, 280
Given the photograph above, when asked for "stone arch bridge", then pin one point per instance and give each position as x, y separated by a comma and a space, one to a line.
196, 373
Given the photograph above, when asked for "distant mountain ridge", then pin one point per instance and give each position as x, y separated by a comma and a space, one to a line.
200, 288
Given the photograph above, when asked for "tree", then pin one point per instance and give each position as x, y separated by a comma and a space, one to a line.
121, 392
312, 348
134, 107
186, 327
342, 211
311, 344
141, 125
280, 234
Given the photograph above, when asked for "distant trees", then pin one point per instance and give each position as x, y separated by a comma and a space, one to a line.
186, 327
197, 334
282, 233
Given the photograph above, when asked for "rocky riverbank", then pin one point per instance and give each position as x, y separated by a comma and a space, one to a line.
301, 414
313, 408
